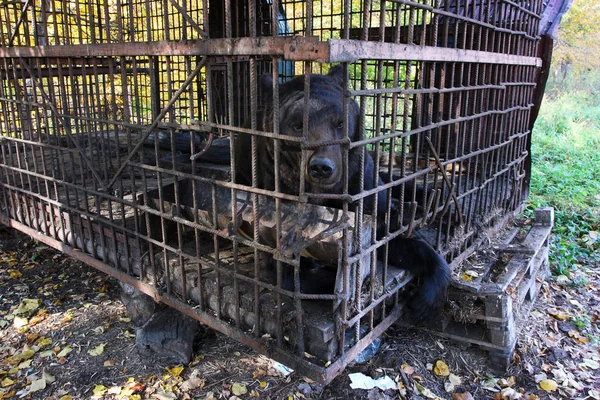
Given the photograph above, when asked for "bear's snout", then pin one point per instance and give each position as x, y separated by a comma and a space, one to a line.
321, 168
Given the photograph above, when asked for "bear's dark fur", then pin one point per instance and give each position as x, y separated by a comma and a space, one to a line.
323, 174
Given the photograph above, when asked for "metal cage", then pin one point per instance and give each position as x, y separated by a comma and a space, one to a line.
115, 118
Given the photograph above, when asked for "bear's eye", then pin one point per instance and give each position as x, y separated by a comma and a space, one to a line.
297, 126
340, 125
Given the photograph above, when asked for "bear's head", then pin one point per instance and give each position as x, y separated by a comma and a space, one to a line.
323, 172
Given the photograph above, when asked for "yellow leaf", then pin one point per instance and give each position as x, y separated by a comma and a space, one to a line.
558, 315
66, 397
135, 397
64, 352
97, 350
238, 389
466, 277
6, 382
14, 274
578, 337
25, 364
26, 354
109, 363
43, 342
548, 385
99, 390
27, 306
441, 369
262, 384
175, 371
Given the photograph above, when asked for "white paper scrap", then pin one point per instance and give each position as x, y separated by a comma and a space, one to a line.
361, 381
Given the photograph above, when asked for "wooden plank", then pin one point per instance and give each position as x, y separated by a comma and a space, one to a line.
532, 242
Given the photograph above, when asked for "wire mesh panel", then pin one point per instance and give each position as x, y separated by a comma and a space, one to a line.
258, 164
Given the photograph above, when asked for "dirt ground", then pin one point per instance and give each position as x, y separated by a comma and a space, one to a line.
73, 340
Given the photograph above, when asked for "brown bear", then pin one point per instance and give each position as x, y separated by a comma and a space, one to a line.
323, 174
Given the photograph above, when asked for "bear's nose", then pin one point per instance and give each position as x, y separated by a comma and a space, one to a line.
321, 168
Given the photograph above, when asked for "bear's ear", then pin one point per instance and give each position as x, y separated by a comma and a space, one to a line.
337, 74
266, 82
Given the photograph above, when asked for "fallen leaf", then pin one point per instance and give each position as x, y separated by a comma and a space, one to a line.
462, 396
507, 382
47, 377
66, 397
64, 352
26, 354
98, 350
14, 274
175, 371
37, 385
27, 306
19, 322
454, 379
239, 389
449, 387
192, 383
510, 394
425, 392
578, 337
114, 390
548, 385
558, 315
441, 368
99, 330
43, 342
109, 363
259, 373
6, 382
262, 384
589, 363
471, 273
408, 369
99, 390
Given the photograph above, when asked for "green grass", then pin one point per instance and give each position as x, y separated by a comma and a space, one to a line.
566, 170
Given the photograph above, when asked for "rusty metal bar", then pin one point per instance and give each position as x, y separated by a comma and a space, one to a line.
19, 22
335, 50
154, 124
291, 48
352, 50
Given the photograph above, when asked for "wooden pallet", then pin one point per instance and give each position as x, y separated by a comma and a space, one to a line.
490, 311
